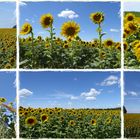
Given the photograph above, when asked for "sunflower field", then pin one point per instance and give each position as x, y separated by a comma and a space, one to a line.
132, 125
71, 52
7, 120
131, 38
69, 123
7, 48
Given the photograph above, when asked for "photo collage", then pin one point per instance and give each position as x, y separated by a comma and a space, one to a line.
69, 69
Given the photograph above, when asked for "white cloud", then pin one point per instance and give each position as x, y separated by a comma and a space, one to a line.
22, 3
124, 93
111, 80
114, 30
73, 97
68, 14
133, 93
27, 19
91, 95
132, 6
25, 92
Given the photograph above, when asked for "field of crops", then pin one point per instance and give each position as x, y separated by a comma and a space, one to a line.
132, 125
69, 123
7, 48
7, 120
71, 52
131, 38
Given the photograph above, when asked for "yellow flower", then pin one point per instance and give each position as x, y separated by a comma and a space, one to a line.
26, 29
65, 45
118, 45
97, 17
70, 29
8, 66
93, 122
108, 43
46, 20
132, 26
136, 46
71, 122
129, 17
44, 117
137, 54
125, 45
31, 121
2, 100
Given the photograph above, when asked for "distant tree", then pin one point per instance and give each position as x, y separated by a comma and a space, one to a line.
124, 109
14, 26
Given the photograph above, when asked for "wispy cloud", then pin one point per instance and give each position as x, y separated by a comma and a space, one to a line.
114, 30
91, 94
111, 80
68, 14
22, 3
25, 92
133, 93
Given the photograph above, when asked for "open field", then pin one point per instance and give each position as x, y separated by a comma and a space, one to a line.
132, 125
7, 48
69, 123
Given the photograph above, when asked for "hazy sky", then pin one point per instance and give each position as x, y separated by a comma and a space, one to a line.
7, 14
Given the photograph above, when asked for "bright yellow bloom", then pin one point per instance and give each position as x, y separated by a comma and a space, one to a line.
2, 100
71, 122
31, 121
125, 45
70, 29
93, 122
129, 17
108, 43
26, 29
44, 117
46, 20
97, 17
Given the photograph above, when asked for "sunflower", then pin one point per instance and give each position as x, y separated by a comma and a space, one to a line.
8, 66
31, 121
65, 45
129, 17
70, 29
137, 46
97, 17
72, 123
46, 20
108, 43
125, 45
137, 54
2, 100
132, 26
44, 117
26, 29
102, 55
47, 45
93, 122
118, 45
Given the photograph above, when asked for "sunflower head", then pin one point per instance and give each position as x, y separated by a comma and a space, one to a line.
72, 123
108, 43
46, 20
125, 45
97, 17
26, 29
131, 26
93, 122
30, 121
65, 45
129, 17
44, 117
70, 29
118, 45
2, 100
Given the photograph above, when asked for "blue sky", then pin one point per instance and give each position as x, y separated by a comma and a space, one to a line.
7, 14
70, 89
132, 92
79, 12
7, 86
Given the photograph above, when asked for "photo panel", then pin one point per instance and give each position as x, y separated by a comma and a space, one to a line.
132, 105
8, 35
131, 35
76, 35
70, 105
7, 105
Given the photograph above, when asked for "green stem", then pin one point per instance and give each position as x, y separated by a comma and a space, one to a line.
51, 35
100, 35
32, 36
